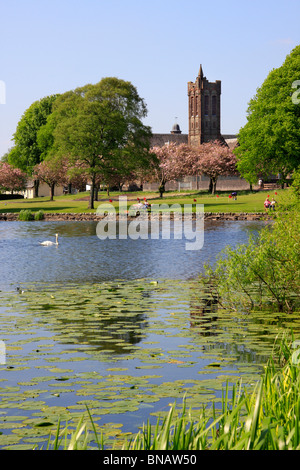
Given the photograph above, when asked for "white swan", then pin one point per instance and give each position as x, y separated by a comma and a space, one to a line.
48, 243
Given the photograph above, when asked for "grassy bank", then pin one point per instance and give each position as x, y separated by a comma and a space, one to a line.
246, 201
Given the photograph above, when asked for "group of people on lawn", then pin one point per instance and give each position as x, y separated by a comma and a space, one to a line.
269, 204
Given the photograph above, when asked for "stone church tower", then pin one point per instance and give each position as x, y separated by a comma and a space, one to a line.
204, 110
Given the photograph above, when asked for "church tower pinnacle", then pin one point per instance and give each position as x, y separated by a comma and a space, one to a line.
200, 72
204, 110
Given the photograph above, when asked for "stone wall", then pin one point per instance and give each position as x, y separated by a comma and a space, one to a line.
208, 216
198, 183
161, 139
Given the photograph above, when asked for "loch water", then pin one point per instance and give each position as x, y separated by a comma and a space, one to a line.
119, 326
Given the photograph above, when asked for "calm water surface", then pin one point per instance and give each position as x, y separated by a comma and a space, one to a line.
82, 257
119, 325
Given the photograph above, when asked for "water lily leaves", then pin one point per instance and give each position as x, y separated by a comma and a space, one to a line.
150, 366
59, 370
11, 425
122, 348
10, 442
31, 405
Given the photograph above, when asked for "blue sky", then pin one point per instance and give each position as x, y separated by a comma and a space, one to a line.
52, 46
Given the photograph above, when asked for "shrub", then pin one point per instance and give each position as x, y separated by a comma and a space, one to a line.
26, 215
264, 272
39, 215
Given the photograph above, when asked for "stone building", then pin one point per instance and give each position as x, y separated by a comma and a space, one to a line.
204, 115
204, 110
204, 124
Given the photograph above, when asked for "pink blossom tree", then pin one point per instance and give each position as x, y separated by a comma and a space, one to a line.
74, 174
174, 162
11, 179
50, 172
216, 159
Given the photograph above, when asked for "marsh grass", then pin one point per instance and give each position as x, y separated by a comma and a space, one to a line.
266, 418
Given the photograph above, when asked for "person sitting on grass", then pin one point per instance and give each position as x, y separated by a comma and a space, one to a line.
267, 204
272, 204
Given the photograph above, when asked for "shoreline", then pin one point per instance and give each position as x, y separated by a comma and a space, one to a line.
93, 217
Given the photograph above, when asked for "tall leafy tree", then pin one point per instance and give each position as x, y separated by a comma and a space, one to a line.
100, 125
26, 153
269, 143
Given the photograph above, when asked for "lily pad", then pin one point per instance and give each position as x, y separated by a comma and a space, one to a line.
90, 345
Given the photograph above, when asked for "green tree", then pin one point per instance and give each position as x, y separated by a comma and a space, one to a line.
269, 143
100, 126
26, 152
296, 184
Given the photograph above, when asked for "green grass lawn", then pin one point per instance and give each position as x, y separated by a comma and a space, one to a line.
246, 201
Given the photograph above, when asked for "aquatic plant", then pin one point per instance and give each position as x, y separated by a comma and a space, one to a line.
264, 419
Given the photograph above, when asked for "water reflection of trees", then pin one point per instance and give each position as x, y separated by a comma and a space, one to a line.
243, 332
114, 334
66, 229
102, 320
203, 305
